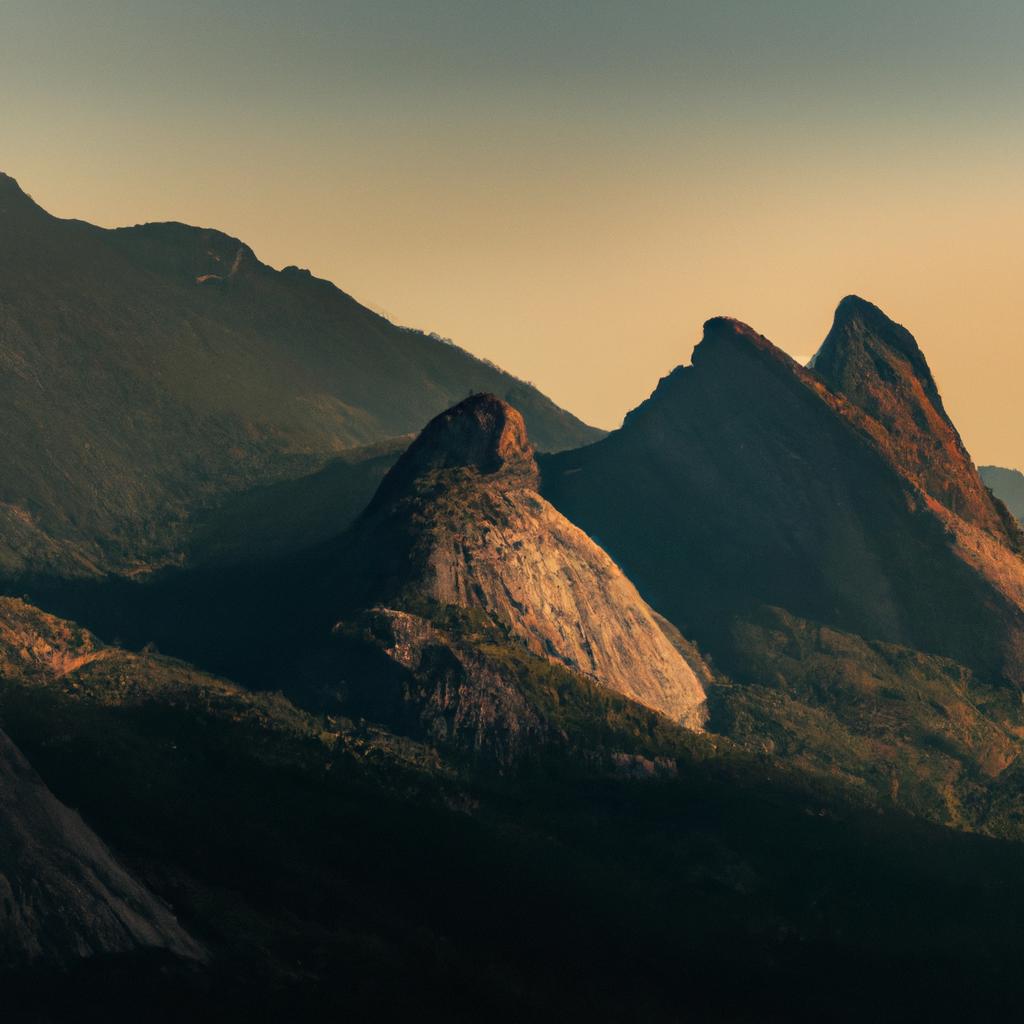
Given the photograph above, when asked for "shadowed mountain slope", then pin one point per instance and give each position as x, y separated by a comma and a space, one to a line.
744, 480
148, 372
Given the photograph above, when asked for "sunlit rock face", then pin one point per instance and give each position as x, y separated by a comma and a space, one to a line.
477, 535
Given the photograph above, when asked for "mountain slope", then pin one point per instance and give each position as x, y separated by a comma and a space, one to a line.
744, 480
458, 522
1007, 485
62, 895
300, 845
150, 371
878, 366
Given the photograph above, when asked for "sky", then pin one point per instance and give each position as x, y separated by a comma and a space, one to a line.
567, 188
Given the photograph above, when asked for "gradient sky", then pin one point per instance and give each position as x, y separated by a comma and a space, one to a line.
567, 188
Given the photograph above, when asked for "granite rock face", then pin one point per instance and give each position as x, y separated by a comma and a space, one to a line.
62, 894
475, 534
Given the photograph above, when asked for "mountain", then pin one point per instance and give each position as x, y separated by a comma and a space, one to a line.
824, 536
877, 365
1007, 485
288, 516
458, 522
460, 607
475, 798
62, 894
324, 856
746, 480
150, 372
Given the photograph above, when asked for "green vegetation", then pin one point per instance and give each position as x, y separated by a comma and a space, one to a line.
919, 730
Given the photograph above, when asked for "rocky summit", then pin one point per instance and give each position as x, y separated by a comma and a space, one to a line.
477, 535
746, 480
878, 365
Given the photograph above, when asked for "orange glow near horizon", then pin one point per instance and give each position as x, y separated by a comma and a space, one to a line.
573, 198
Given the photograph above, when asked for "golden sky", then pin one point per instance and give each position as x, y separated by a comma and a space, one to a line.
568, 189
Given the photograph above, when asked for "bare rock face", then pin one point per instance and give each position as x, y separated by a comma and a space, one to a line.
481, 537
456, 692
878, 366
62, 894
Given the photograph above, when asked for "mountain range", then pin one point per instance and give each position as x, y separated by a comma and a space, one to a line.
150, 372
380, 709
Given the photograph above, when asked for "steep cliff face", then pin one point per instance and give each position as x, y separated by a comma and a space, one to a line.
62, 894
878, 366
462, 508
745, 480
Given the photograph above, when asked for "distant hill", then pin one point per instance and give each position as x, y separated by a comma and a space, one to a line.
1007, 485
149, 372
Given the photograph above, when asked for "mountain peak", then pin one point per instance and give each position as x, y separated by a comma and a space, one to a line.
482, 432
877, 365
856, 318
485, 540
14, 197
726, 335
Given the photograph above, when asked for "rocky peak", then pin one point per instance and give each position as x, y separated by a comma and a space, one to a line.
483, 434
479, 536
878, 366
724, 334
731, 358
863, 337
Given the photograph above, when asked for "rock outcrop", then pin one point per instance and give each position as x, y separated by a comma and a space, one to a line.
466, 528
878, 366
62, 894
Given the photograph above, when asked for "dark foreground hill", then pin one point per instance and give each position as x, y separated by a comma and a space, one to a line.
62, 894
336, 867
149, 372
